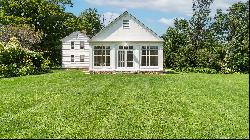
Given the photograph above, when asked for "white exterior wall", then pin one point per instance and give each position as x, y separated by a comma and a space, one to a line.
136, 32
67, 52
137, 46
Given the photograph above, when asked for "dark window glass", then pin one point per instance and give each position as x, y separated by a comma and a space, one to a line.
72, 45
153, 60
129, 64
130, 47
129, 55
153, 52
81, 44
143, 61
107, 60
101, 56
153, 47
72, 58
81, 58
107, 52
98, 52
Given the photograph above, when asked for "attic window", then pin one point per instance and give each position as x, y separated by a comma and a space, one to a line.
125, 24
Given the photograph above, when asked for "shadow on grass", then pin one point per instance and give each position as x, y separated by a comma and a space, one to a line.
170, 72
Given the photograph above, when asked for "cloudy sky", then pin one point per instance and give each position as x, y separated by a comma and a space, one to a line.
156, 14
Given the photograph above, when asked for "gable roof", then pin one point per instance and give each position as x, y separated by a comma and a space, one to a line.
75, 34
118, 18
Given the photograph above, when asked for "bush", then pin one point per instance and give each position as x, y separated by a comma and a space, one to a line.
18, 61
197, 70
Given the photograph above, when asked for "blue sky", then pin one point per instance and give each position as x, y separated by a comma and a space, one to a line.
156, 14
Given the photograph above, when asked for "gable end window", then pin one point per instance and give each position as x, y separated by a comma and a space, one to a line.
72, 58
81, 44
72, 45
125, 24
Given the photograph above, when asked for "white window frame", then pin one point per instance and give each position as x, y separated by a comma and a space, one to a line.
125, 49
148, 49
125, 24
105, 49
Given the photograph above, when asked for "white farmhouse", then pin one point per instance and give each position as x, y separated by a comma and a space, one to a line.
125, 44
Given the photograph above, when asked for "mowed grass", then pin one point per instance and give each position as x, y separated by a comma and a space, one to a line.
71, 104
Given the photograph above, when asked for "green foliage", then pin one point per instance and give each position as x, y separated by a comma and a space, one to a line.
49, 17
90, 22
220, 44
18, 61
27, 35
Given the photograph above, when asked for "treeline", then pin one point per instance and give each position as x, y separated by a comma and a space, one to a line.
210, 44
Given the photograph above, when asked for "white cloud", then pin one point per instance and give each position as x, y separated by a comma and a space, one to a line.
168, 6
168, 22
109, 17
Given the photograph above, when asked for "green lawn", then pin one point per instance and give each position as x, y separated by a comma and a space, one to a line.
70, 104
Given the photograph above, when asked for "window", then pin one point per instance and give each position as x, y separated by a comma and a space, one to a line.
149, 56
125, 24
81, 58
101, 56
126, 47
72, 45
81, 44
72, 58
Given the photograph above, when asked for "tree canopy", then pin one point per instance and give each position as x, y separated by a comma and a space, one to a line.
219, 43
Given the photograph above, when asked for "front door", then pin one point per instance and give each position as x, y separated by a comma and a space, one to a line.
125, 57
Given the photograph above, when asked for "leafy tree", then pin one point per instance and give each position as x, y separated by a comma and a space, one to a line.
90, 22
176, 43
237, 26
199, 28
47, 16
24, 33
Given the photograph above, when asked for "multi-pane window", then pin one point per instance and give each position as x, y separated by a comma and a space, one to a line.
81, 58
72, 45
81, 44
101, 56
72, 58
125, 24
149, 56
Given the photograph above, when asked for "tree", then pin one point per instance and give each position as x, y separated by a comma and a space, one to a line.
47, 16
237, 25
90, 22
219, 44
199, 28
24, 33
176, 44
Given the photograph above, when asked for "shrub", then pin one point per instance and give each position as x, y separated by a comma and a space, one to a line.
18, 61
197, 70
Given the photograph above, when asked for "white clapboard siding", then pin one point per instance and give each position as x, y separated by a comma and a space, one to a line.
76, 37
135, 34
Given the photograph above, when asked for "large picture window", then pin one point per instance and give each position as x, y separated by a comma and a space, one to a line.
101, 56
149, 56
